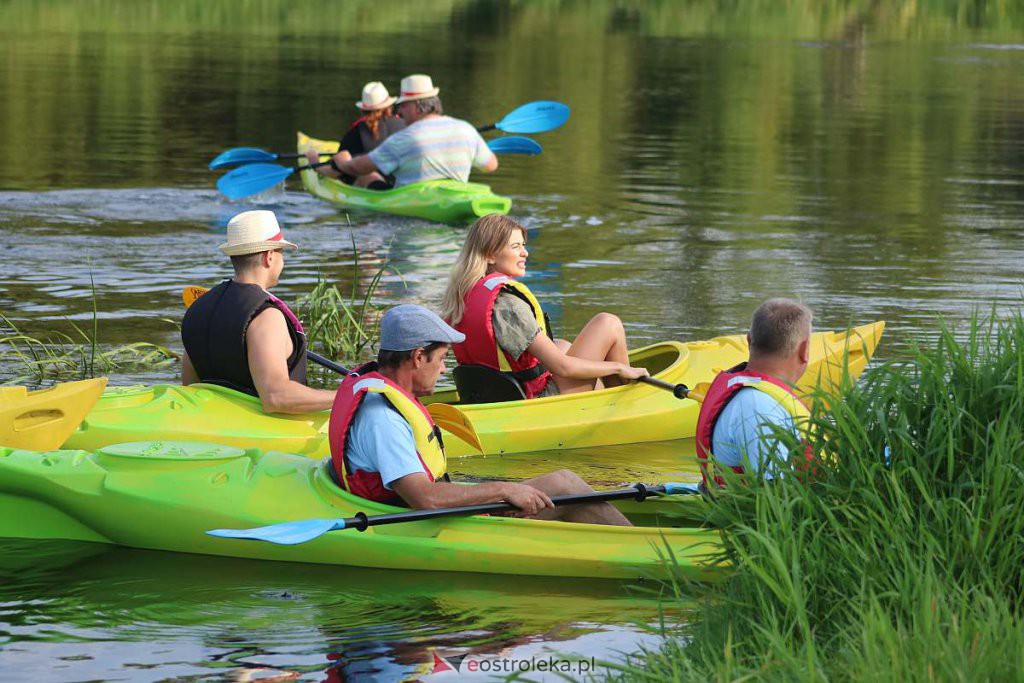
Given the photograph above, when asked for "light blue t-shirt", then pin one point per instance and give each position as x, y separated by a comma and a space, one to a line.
743, 434
432, 149
380, 440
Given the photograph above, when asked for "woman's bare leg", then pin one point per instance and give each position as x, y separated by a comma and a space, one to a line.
603, 338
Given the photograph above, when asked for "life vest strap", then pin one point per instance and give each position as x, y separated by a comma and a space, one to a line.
526, 375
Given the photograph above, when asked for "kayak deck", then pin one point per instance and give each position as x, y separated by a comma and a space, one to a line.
166, 495
446, 201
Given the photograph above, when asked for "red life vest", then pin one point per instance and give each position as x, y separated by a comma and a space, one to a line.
481, 347
722, 390
351, 393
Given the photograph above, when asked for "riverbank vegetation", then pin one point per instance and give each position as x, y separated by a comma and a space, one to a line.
341, 326
76, 354
903, 558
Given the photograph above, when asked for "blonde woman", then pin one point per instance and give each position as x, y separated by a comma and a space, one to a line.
505, 328
377, 123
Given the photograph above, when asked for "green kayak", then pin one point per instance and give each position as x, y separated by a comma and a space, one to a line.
444, 201
166, 495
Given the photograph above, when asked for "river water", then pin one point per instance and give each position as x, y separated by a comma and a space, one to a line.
865, 157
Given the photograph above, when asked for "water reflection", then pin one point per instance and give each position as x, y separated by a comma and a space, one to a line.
865, 156
88, 612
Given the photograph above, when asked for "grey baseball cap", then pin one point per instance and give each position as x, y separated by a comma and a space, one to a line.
409, 326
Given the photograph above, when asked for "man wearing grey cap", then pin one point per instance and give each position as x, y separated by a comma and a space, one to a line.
385, 446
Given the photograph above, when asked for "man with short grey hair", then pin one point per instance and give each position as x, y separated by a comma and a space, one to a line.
746, 404
385, 447
431, 147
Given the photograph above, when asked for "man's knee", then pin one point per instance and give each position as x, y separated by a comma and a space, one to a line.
570, 483
560, 483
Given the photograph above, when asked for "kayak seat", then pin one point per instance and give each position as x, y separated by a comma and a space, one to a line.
479, 384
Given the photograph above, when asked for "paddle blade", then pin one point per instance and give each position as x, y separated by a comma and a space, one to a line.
251, 179
240, 155
535, 117
454, 421
514, 144
191, 293
682, 489
699, 392
286, 533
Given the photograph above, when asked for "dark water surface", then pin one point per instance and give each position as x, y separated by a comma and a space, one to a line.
867, 157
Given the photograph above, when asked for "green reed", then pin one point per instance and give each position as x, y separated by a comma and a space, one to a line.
903, 556
342, 326
66, 356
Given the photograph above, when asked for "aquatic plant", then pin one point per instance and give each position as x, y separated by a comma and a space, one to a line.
343, 326
902, 558
62, 356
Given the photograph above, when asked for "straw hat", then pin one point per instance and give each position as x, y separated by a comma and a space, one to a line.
375, 96
251, 232
417, 87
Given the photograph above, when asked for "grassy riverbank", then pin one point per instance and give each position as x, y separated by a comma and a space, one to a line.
903, 560
341, 326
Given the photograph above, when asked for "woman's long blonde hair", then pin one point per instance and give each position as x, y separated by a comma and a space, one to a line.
486, 237
372, 119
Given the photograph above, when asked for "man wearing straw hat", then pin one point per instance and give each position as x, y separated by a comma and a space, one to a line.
241, 336
432, 147
376, 125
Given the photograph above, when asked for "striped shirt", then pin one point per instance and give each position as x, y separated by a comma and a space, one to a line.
432, 149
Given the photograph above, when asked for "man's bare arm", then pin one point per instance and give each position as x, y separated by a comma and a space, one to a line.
188, 371
269, 346
419, 492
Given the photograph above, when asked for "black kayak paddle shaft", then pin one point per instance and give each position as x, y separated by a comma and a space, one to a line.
362, 522
678, 390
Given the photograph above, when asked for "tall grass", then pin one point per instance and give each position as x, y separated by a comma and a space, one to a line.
343, 326
903, 557
63, 356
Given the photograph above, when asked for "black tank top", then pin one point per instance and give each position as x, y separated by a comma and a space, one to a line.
213, 333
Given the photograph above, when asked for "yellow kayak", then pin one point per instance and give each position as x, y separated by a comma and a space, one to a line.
629, 414
43, 419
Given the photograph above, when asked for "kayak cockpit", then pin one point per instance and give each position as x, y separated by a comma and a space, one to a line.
475, 384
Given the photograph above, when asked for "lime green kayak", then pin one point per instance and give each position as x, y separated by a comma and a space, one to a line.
166, 495
634, 413
444, 201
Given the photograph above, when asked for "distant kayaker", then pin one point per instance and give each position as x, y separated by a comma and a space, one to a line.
506, 330
241, 336
385, 446
432, 147
376, 125
745, 405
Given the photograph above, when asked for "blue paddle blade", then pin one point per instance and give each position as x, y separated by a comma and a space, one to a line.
240, 155
252, 179
685, 489
287, 533
514, 144
534, 117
